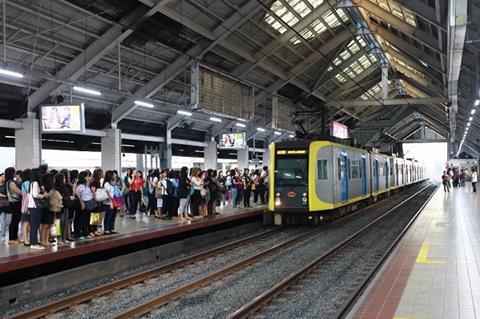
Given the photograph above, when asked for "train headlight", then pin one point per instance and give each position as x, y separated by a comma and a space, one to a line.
304, 200
278, 202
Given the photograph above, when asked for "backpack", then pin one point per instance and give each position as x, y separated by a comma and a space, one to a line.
170, 188
117, 192
55, 203
100, 195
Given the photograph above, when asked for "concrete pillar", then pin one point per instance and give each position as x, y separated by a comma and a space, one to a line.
384, 82
242, 158
111, 146
210, 155
266, 157
166, 151
139, 165
28, 144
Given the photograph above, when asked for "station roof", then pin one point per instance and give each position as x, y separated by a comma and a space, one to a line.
323, 57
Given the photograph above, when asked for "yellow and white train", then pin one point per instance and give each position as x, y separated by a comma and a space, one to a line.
319, 179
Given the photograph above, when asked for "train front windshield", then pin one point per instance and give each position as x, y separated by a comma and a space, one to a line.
291, 171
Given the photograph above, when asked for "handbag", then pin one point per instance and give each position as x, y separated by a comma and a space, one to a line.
41, 203
58, 228
91, 205
3, 202
100, 195
117, 202
95, 219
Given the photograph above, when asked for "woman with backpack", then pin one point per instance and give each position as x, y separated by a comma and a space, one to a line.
109, 207
96, 217
14, 195
57, 207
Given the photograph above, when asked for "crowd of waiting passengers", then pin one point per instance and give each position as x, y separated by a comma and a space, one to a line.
41, 208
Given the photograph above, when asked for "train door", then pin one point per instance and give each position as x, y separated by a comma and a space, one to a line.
377, 176
363, 172
396, 174
344, 175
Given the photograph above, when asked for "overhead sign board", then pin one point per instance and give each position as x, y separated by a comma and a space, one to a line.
339, 130
62, 118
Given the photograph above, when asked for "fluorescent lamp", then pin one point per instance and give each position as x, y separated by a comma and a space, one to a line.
86, 90
260, 129
472, 112
10, 137
216, 119
11, 73
470, 118
477, 102
241, 120
240, 125
182, 112
277, 133
291, 136
145, 104
468, 124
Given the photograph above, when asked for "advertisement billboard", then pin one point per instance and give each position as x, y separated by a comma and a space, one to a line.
62, 118
339, 130
233, 141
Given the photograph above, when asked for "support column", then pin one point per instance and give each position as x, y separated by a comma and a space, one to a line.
242, 158
266, 157
28, 144
140, 165
210, 155
111, 146
166, 151
385, 81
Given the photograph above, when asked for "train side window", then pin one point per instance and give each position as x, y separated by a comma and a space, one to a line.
355, 169
322, 169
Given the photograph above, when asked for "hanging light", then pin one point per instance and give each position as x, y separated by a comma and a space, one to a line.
240, 125
468, 124
291, 136
470, 118
182, 112
477, 102
277, 133
216, 119
144, 104
260, 129
472, 111
11, 73
86, 90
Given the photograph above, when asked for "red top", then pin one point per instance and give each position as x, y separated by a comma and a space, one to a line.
137, 184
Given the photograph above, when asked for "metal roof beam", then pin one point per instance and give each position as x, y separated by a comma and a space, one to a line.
95, 51
387, 102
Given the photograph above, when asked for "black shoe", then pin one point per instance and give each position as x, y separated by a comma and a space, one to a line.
190, 215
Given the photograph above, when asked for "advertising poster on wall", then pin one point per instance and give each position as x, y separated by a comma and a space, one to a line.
62, 118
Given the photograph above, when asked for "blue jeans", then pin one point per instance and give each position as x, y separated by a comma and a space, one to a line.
234, 196
35, 218
109, 219
5, 220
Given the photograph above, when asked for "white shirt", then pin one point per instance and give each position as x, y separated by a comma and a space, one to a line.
474, 177
33, 193
110, 189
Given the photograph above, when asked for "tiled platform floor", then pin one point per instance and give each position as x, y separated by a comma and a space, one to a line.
435, 272
126, 227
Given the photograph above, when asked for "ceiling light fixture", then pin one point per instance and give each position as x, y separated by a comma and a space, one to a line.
186, 113
216, 119
86, 90
277, 133
260, 129
477, 102
144, 104
470, 118
240, 125
11, 73
291, 136
472, 111
468, 124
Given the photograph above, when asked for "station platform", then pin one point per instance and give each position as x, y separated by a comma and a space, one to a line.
435, 271
134, 234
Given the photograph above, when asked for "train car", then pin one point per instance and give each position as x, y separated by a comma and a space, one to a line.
319, 180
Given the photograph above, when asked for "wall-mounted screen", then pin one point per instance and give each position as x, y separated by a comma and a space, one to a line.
62, 118
339, 130
233, 141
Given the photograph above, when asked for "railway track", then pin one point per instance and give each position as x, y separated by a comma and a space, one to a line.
86, 296
276, 296
151, 304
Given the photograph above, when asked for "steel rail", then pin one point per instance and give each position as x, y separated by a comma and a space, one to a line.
85, 296
258, 302
168, 297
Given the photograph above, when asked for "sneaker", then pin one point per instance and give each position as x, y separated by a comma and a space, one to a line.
88, 237
82, 238
37, 247
107, 233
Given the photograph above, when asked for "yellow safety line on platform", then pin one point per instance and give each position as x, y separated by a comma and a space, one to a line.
422, 257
